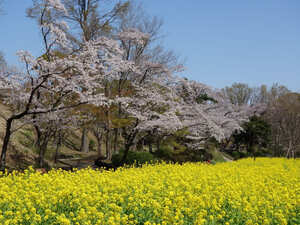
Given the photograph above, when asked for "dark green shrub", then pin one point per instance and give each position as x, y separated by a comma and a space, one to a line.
236, 155
239, 154
164, 153
137, 158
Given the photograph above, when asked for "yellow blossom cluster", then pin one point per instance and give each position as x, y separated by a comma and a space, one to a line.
261, 191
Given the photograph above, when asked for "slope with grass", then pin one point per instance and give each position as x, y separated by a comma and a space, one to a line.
22, 152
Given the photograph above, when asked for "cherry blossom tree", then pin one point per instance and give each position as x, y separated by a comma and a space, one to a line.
145, 77
208, 113
89, 20
149, 111
139, 91
55, 82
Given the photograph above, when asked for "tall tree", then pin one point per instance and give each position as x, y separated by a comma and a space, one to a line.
147, 53
94, 18
255, 135
56, 82
89, 19
284, 116
238, 93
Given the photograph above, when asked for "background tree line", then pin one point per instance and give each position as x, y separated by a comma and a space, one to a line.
276, 132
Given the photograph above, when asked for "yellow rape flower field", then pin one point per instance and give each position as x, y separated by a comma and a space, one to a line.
264, 191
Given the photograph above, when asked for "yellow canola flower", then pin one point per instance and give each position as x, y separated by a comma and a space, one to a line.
264, 191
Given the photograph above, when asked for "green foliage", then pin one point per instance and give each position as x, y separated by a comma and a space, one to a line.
239, 154
256, 135
217, 156
204, 98
173, 148
134, 158
185, 156
172, 145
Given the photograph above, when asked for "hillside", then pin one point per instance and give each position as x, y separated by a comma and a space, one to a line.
22, 152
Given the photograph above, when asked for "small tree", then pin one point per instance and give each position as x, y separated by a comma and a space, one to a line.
255, 134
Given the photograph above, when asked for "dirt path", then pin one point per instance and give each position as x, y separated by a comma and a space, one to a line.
226, 158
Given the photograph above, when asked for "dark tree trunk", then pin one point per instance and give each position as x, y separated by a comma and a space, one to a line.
98, 133
99, 148
140, 145
252, 150
84, 141
44, 140
126, 150
288, 154
116, 132
150, 147
107, 145
129, 142
5, 144
157, 145
43, 149
59, 141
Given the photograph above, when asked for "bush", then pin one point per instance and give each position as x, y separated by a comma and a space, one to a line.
239, 155
236, 155
137, 158
188, 155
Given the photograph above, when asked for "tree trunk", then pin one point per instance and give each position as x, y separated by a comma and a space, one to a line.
150, 147
57, 147
5, 144
44, 140
99, 145
128, 143
107, 145
140, 145
289, 149
99, 148
84, 141
116, 132
126, 150
43, 149
157, 145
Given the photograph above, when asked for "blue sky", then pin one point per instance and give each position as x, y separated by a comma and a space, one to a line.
251, 41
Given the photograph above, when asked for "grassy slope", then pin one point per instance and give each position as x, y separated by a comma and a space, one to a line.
22, 153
